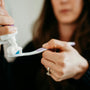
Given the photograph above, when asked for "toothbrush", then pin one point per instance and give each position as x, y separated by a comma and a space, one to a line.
37, 51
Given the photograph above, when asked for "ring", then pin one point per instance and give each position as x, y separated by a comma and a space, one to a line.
48, 71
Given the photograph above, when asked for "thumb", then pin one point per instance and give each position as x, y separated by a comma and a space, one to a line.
57, 44
2, 5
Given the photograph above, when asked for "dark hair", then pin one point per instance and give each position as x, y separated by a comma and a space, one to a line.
46, 27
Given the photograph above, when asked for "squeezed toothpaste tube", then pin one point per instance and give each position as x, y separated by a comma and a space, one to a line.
13, 48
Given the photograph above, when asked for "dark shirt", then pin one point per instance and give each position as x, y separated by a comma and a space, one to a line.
27, 73
3, 71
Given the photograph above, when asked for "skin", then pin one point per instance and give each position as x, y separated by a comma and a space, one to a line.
63, 65
67, 11
67, 63
5, 19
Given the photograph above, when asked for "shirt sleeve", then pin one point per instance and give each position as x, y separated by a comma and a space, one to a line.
86, 77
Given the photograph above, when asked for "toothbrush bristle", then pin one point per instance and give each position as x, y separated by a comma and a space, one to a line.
17, 52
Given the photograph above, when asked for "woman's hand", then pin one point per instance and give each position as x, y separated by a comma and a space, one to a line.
6, 21
66, 64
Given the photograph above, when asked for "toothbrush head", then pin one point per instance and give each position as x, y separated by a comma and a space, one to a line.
18, 52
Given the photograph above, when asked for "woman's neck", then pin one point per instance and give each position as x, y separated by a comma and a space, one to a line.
66, 31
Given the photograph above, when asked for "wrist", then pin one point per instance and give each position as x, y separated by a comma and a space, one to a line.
82, 68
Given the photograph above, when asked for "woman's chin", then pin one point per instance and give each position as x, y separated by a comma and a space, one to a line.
67, 21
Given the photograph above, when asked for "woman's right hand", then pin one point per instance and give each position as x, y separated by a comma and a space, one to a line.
6, 21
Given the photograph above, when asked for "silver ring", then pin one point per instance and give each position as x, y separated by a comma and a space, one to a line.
48, 71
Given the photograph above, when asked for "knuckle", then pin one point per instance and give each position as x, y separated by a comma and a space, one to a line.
42, 61
7, 29
58, 62
57, 79
51, 64
65, 44
7, 20
4, 20
52, 41
60, 73
44, 54
62, 64
58, 76
61, 56
11, 19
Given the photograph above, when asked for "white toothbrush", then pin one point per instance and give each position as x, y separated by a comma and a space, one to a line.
37, 51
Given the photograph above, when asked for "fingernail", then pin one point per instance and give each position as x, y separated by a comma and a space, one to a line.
45, 45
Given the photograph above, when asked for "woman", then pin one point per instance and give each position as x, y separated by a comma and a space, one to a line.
65, 20
68, 67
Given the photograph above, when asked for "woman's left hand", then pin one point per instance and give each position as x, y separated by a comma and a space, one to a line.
66, 64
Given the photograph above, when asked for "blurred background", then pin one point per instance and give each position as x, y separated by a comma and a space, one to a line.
24, 13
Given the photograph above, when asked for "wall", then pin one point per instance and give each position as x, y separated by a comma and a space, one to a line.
24, 13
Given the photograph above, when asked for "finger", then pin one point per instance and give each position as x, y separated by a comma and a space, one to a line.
62, 45
55, 74
47, 63
6, 20
2, 4
3, 12
59, 79
51, 65
7, 30
53, 56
